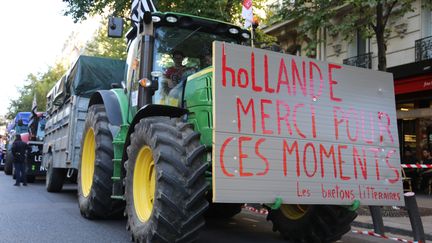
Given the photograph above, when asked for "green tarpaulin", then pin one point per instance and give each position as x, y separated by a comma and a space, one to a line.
90, 74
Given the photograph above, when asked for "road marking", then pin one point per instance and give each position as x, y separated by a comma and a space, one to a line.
251, 220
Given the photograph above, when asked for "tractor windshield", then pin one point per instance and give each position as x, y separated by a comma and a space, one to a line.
41, 129
37, 128
178, 54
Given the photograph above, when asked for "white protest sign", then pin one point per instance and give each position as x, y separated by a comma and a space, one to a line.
303, 130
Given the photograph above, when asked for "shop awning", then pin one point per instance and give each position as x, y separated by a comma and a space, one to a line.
413, 84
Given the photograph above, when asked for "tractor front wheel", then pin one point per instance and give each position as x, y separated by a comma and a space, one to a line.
311, 223
165, 182
96, 168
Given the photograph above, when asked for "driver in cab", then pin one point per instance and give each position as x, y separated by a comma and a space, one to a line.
174, 75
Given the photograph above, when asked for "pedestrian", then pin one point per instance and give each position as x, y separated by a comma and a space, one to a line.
427, 157
426, 175
19, 150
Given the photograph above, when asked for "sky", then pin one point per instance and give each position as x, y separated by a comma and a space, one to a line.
32, 36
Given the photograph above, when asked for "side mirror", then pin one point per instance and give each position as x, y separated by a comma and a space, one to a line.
115, 27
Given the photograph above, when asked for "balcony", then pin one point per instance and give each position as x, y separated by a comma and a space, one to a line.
423, 49
363, 60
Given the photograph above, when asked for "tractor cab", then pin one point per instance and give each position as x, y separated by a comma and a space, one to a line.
176, 46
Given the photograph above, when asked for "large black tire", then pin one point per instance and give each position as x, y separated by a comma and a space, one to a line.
312, 223
54, 176
170, 207
9, 164
96, 168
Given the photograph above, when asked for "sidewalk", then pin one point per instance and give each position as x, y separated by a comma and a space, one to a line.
401, 225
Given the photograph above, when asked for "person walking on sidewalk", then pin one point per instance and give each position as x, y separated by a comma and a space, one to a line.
19, 150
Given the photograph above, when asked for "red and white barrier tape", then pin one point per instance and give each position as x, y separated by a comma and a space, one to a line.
371, 233
365, 232
414, 166
252, 209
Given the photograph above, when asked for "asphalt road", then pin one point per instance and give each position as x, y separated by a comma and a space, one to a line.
30, 214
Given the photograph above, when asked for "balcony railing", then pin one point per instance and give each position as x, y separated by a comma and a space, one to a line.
423, 49
363, 60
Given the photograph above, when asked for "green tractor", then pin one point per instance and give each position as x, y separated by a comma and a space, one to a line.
147, 146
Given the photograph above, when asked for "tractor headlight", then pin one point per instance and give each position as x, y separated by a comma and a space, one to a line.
233, 31
171, 19
245, 35
156, 19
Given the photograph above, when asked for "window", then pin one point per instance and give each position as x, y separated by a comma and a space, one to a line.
194, 50
358, 46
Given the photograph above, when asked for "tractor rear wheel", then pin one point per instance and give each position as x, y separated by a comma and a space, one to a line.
96, 168
311, 223
8, 167
54, 176
165, 182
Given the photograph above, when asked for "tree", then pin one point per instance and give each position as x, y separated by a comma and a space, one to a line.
370, 19
103, 46
225, 10
41, 83
38, 84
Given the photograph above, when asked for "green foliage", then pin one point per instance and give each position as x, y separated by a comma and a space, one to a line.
217, 9
262, 39
41, 83
313, 15
38, 84
367, 16
370, 18
103, 46
225, 10
78, 9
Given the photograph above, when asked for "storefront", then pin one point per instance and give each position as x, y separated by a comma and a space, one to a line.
413, 89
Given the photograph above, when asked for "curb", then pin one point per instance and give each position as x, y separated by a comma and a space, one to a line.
371, 233
389, 229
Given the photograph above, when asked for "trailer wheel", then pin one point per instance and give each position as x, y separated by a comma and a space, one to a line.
311, 223
8, 167
96, 168
165, 182
54, 176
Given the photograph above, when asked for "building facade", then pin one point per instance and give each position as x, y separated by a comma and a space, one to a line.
409, 58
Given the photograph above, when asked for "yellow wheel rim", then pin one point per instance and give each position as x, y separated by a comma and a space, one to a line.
144, 183
294, 211
88, 162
